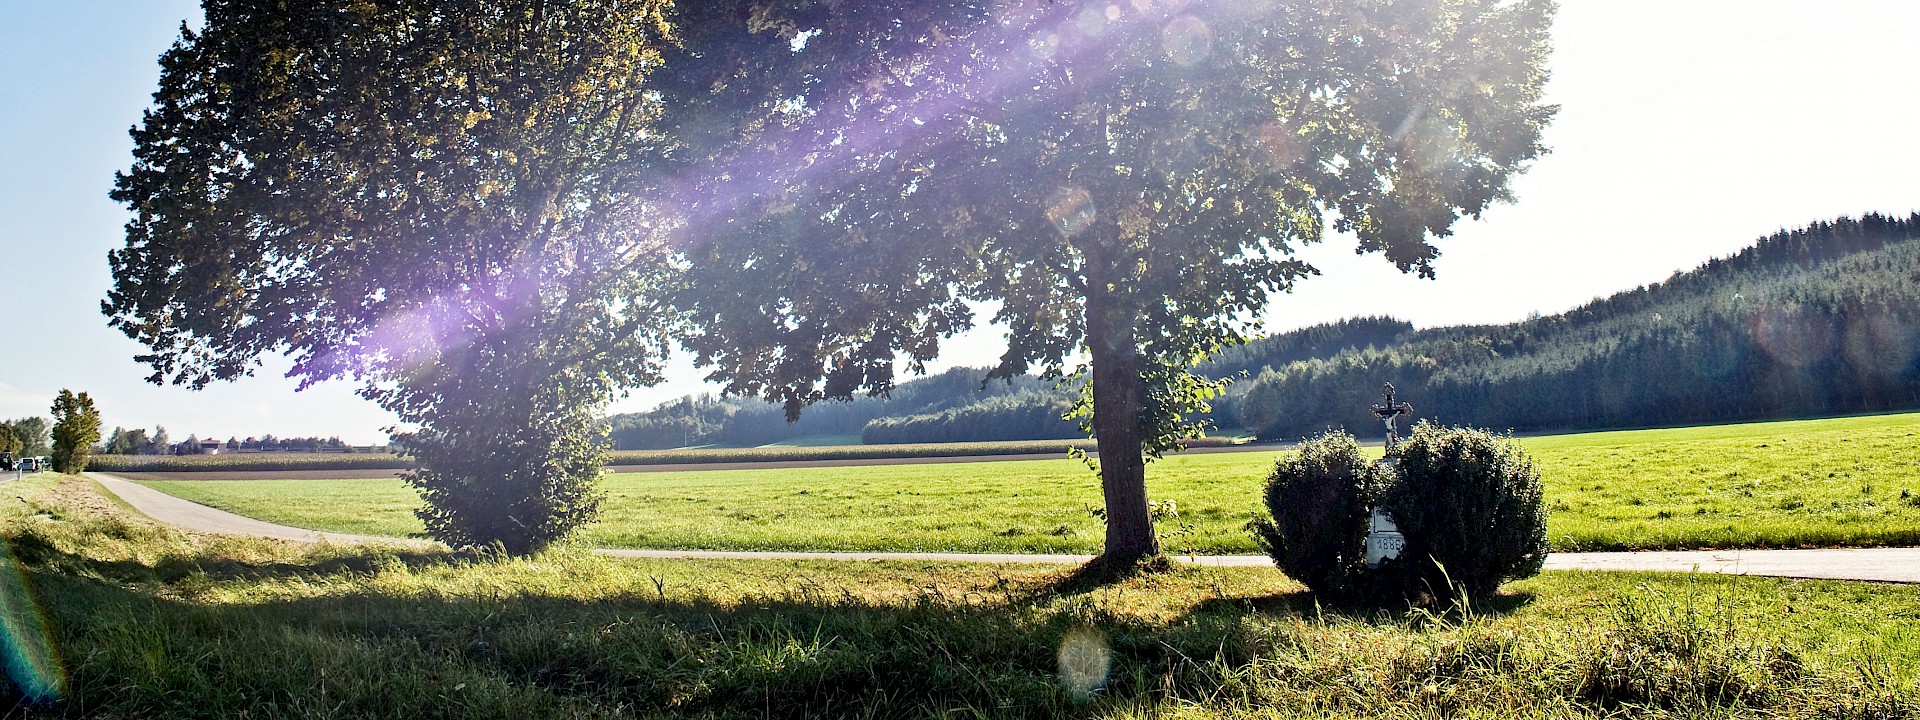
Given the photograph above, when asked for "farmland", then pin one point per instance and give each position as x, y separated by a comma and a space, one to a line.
1834, 482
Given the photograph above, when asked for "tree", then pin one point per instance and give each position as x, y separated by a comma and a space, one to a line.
446, 202
31, 434
9, 442
1128, 180
76, 427
162, 443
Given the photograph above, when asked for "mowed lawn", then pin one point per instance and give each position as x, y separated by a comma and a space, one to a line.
1834, 482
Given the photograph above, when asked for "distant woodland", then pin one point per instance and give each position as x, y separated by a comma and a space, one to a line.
1820, 320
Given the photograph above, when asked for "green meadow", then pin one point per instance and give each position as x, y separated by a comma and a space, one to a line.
1834, 482
141, 620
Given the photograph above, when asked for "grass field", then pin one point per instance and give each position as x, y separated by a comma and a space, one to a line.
138, 620
1838, 482
811, 448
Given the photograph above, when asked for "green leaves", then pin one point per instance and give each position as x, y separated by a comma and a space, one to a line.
76, 427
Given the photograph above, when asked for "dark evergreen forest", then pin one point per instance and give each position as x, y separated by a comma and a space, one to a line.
1822, 320
1816, 321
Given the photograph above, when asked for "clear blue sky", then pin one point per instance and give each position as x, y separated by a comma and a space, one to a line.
1687, 130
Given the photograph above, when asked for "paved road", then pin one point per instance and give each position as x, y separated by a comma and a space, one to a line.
1901, 565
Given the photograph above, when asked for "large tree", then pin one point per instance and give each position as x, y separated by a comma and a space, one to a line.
1128, 180
447, 202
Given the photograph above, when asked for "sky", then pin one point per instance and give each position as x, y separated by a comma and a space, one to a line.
1686, 131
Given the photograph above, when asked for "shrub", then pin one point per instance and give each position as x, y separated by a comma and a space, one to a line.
1469, 504
1318, 501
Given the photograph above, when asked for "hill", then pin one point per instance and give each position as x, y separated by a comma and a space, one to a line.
955, 406
1822, 320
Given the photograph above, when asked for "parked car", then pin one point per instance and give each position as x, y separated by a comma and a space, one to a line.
6, 461
30, 464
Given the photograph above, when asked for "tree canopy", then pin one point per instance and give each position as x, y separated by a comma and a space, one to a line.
447, 202
1128, 181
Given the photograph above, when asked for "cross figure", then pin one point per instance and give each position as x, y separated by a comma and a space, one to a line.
1388, 412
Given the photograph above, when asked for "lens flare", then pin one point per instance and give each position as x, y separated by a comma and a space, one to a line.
1880, 345
1279, 146
1085, 662
1188, 41
32, 663
1091, 21
1071, 210
1793, 338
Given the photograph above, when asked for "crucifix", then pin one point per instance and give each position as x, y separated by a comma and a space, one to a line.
1388, 412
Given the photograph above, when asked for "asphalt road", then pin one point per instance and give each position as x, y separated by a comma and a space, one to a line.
1896, 565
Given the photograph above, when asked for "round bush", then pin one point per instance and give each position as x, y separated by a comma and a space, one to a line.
1469, 504
1318, 501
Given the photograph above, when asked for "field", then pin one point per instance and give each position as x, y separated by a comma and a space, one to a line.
1837, 482
802, 450
139, 620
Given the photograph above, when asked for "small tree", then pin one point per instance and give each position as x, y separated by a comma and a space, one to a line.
76, 427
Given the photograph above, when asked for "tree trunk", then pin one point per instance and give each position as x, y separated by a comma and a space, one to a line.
1118, 394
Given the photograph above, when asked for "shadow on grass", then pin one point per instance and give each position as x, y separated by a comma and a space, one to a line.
176, 638
1305, 604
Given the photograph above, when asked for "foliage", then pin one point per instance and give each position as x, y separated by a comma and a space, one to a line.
1822, 320
1319, 501
446, 202
153, 623
1847, 482
76, 427
31, 436
1470, 505
128, 442
1126, 180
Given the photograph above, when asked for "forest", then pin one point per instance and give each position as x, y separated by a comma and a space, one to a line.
1819, 320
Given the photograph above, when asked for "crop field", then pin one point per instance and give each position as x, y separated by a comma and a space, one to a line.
1837, 482
138, 620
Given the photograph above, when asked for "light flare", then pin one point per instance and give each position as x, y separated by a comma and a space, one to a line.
1085, 662
1793, 338
32, 658
1188, 41
1071, 210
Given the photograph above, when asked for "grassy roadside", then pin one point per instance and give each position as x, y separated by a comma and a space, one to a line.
146, 622
1840, 482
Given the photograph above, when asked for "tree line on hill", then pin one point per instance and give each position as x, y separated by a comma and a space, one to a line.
707, 420
138, 441
1816, 321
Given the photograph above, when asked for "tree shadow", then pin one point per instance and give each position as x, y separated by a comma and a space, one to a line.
144, 642
1096, 574
1304, 603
